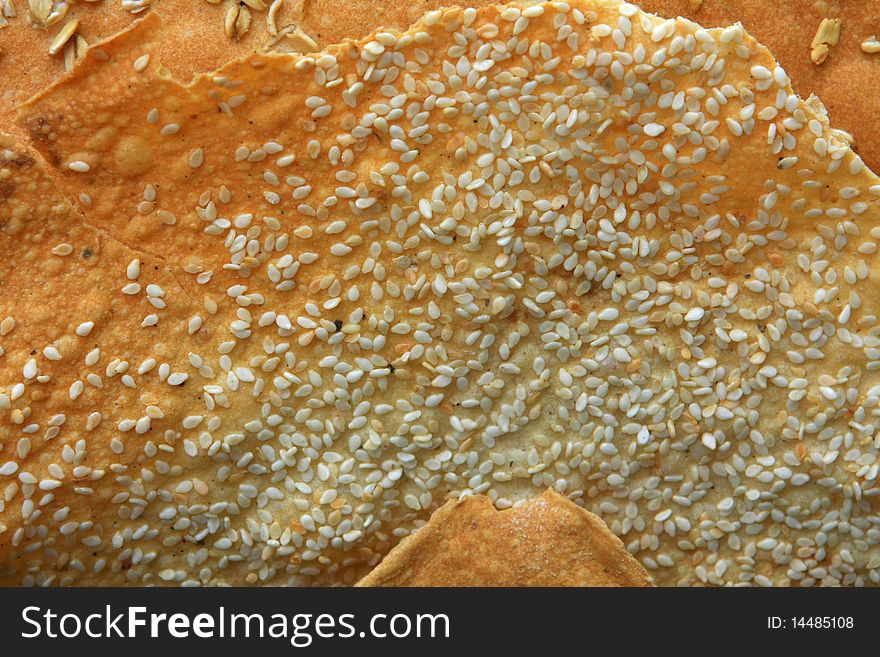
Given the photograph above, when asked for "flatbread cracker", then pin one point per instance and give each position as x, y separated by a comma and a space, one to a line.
470, 543
572, 246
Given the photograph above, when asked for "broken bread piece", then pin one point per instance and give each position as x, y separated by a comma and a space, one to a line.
546, 541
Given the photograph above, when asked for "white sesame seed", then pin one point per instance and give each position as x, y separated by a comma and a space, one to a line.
141, 63
654, 129
84, 329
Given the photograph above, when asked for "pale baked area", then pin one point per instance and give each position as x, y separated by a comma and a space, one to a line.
567, 245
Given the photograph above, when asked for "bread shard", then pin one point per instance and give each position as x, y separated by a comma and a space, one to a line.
566, 245
468, 542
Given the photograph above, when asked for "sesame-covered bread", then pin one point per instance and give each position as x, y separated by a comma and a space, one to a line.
468, 542
566, 245
201, 35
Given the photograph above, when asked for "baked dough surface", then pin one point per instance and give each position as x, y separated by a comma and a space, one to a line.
571, 245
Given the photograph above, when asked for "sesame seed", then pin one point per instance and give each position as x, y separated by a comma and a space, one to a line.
196, 158
84, 329
141, 63
654, 129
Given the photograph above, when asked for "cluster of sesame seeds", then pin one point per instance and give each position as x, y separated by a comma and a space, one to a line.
566, 245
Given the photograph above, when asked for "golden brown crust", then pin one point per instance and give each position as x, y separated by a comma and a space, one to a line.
330, 21
547, 541
57, 274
